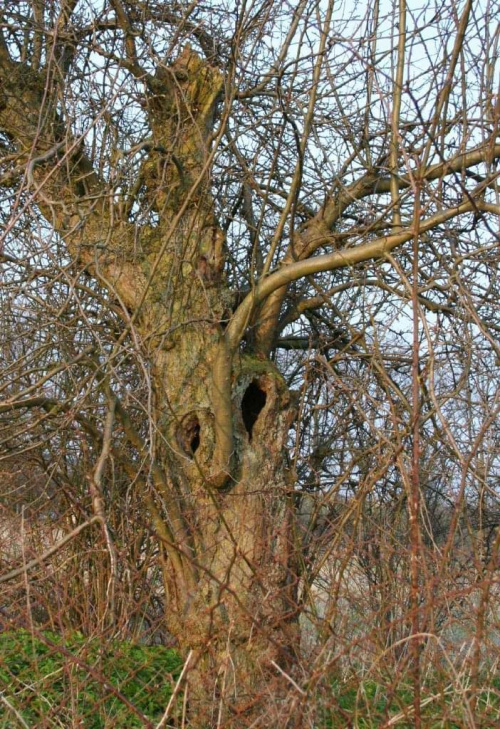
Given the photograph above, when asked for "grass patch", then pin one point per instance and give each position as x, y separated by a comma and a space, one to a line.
53, 682
368, 705
79, 682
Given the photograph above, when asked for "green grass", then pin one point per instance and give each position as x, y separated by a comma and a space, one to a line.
83, 683
88, 684
370, 705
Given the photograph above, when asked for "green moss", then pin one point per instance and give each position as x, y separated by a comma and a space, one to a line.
248, 367
47, 687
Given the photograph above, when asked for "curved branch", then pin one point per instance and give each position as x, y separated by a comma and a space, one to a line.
316, 232
339, 259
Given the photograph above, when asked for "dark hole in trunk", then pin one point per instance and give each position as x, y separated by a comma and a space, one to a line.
253, 401
195, 437
188, 434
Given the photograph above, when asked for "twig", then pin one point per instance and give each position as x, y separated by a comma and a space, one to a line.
289, 678
14, 711
38, 560
165, 716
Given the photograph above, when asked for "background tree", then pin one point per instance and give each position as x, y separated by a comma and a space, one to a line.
231, 230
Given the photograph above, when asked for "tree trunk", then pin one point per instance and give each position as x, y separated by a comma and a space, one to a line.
231, 593
222, 498
228, 576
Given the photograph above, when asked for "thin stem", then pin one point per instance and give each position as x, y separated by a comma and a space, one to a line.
396, 110
415, 473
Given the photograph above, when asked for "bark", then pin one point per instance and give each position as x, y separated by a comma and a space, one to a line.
222, 497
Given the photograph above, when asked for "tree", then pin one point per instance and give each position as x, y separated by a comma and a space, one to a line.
206, 208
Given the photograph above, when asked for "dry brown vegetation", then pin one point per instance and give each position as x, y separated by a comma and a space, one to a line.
249, 445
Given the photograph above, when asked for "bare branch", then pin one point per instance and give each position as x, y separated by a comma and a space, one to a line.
37, 561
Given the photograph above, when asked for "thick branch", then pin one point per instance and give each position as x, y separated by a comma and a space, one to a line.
316, 232
221, 399
339, 259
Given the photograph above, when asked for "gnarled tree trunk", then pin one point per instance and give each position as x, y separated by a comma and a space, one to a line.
224, 418
221, 502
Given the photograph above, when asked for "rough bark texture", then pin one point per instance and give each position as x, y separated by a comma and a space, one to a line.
224, 522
